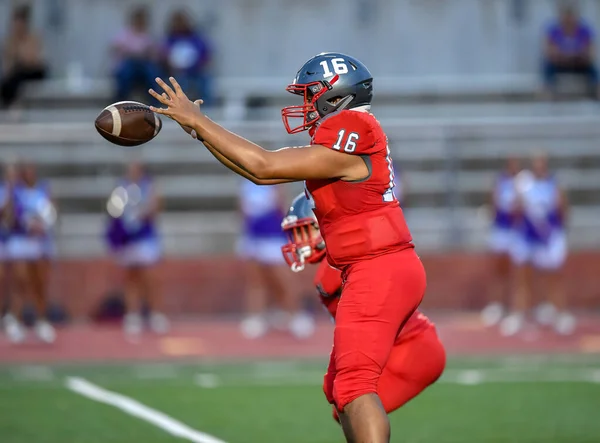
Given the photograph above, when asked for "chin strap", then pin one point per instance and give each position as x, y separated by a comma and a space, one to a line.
297, 267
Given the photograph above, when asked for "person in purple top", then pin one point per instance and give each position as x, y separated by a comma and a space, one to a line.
540, 252
12, 326
186, 55
266, 276
133, 238
28, 248
569, 48
501, 242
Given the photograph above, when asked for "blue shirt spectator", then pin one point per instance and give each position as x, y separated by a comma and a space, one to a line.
569, 49
187, 55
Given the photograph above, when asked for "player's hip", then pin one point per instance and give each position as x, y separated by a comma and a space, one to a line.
391, 267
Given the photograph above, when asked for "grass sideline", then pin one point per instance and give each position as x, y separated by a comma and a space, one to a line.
508, 399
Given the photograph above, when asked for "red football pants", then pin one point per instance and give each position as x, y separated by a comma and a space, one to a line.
413, 365
378, 296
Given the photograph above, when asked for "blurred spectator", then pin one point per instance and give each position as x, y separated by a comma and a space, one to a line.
569, 48
7, 213
186, 55
28, 250
540, 251
22, 59
136, 56
502, 239
133, 237
263, 208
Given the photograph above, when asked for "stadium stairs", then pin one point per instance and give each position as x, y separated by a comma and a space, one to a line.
446, 148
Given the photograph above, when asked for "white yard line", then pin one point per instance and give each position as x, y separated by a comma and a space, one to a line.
137, 409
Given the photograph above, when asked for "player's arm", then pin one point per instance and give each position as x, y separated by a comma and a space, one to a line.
309, 162
328, 279
240, 171
283, 165
227, 163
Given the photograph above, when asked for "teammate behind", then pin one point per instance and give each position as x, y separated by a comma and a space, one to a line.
348, 170
541, 250
417, 358
502, 240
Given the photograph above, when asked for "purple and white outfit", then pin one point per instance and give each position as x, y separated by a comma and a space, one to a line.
131, 235
262, 236
33, 204
542, 239
503, 231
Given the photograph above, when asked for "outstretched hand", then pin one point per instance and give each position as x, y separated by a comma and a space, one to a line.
192, 131
178, 106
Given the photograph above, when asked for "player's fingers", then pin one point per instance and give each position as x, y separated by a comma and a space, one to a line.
199, 102
163, 98
177, 88
162, 111
166, 87
193, 134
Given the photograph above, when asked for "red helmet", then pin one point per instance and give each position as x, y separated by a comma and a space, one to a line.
305, 244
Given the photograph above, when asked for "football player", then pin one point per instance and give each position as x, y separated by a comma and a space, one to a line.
348, 170
417, 358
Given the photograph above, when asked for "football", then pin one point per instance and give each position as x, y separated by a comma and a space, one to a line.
128, 123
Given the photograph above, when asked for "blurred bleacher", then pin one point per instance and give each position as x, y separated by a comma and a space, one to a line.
454, 102
447, 151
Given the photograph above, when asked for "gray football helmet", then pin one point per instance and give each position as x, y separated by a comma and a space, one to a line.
328, 82
305, 243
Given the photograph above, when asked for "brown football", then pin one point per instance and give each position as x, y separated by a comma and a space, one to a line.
128, 123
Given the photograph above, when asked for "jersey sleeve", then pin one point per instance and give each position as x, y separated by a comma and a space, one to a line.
350, 132
328, 280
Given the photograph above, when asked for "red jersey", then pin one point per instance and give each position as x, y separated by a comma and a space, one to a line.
328, 281
358, 219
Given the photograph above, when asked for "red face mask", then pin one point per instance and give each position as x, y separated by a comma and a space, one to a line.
307, 112
305, 244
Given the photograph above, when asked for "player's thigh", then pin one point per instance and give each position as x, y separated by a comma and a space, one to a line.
412, 366
377, 298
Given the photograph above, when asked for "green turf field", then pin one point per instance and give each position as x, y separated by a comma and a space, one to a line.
536, 399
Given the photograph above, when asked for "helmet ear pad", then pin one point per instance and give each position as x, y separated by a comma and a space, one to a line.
327, 106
